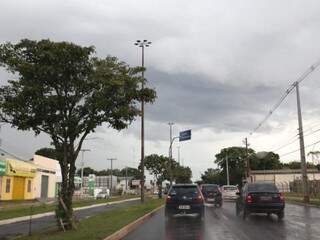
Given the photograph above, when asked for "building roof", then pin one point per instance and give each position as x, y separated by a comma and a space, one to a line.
282, 171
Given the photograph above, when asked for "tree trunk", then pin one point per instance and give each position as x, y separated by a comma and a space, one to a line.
64, 210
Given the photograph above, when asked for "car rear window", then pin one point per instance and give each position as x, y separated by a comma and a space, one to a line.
262, 187
210, 188
230, 188
184, 190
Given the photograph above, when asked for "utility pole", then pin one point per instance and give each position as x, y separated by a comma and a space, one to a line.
227, 166
126, 178
306, 196
247, 160
111, 160
170, 153
82, 165
178, 154
142, 45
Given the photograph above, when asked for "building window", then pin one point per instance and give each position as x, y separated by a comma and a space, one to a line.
8, 183
29, 186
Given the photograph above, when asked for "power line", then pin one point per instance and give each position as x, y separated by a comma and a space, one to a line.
296, 139
287, 92
288, 153
13, 155
285, 145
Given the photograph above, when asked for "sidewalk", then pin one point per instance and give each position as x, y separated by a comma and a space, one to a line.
26, 218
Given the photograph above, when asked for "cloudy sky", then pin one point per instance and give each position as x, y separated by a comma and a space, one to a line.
218, 68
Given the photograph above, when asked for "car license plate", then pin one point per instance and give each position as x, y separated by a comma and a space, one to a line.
184, 206
265, 198
210, 199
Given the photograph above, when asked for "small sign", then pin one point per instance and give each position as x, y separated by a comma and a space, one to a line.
2, 167
185, 135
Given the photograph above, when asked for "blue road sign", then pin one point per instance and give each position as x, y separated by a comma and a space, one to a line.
185, 135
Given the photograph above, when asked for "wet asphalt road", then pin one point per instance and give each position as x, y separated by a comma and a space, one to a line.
222, 224
40, 224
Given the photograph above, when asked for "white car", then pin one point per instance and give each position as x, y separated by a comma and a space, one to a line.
229, 192
103, 194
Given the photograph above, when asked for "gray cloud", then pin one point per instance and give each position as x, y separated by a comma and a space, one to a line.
218, 66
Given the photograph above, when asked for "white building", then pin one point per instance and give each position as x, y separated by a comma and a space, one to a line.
45, 180
283, 177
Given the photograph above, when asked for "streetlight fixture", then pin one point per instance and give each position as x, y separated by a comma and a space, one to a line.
142, 44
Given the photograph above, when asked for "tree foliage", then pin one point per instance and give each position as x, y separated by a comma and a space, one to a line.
237, 163
49, 153
158, 166
182, 174
63, 90
236, 159
213, 176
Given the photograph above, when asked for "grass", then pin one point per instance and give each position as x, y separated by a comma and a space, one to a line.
26, 211
101, 225
298, 197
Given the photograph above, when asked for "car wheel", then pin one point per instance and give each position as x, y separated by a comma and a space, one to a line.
281, 215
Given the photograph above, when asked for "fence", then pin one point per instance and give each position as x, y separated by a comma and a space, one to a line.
314, 187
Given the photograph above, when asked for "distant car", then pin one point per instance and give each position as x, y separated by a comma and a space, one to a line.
229, 192
260, 198
103, 195
184, 199
211, 194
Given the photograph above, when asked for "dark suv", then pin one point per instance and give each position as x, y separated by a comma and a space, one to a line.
212, 194
260, 198
184, 199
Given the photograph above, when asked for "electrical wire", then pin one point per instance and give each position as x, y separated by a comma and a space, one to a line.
11, 154
296, 139
285, 145
287, 92
310, 145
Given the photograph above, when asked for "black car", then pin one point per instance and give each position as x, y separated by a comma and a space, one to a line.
184, 199
260, 198
212, 194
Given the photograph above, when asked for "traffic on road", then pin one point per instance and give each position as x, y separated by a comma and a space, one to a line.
300, 223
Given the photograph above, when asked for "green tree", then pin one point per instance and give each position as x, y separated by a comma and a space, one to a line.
64, 91
236, 160
265, 161
86, 171
157, 165
213, 176
49, 153
297, 165
182, 174
131, 172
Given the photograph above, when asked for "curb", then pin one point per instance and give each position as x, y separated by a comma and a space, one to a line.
40, 215
302, 204
132, 226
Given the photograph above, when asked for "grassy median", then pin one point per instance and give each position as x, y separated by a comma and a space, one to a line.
103, 224
26, 210
298, 197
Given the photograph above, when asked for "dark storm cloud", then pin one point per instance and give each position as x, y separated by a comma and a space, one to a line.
196, 100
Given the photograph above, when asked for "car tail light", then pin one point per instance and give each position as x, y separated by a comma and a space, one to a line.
199, 198
281, 195
168, 199
249, 199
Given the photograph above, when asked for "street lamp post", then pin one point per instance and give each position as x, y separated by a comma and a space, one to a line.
82, 165
142, 44
227, 166
170, 152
